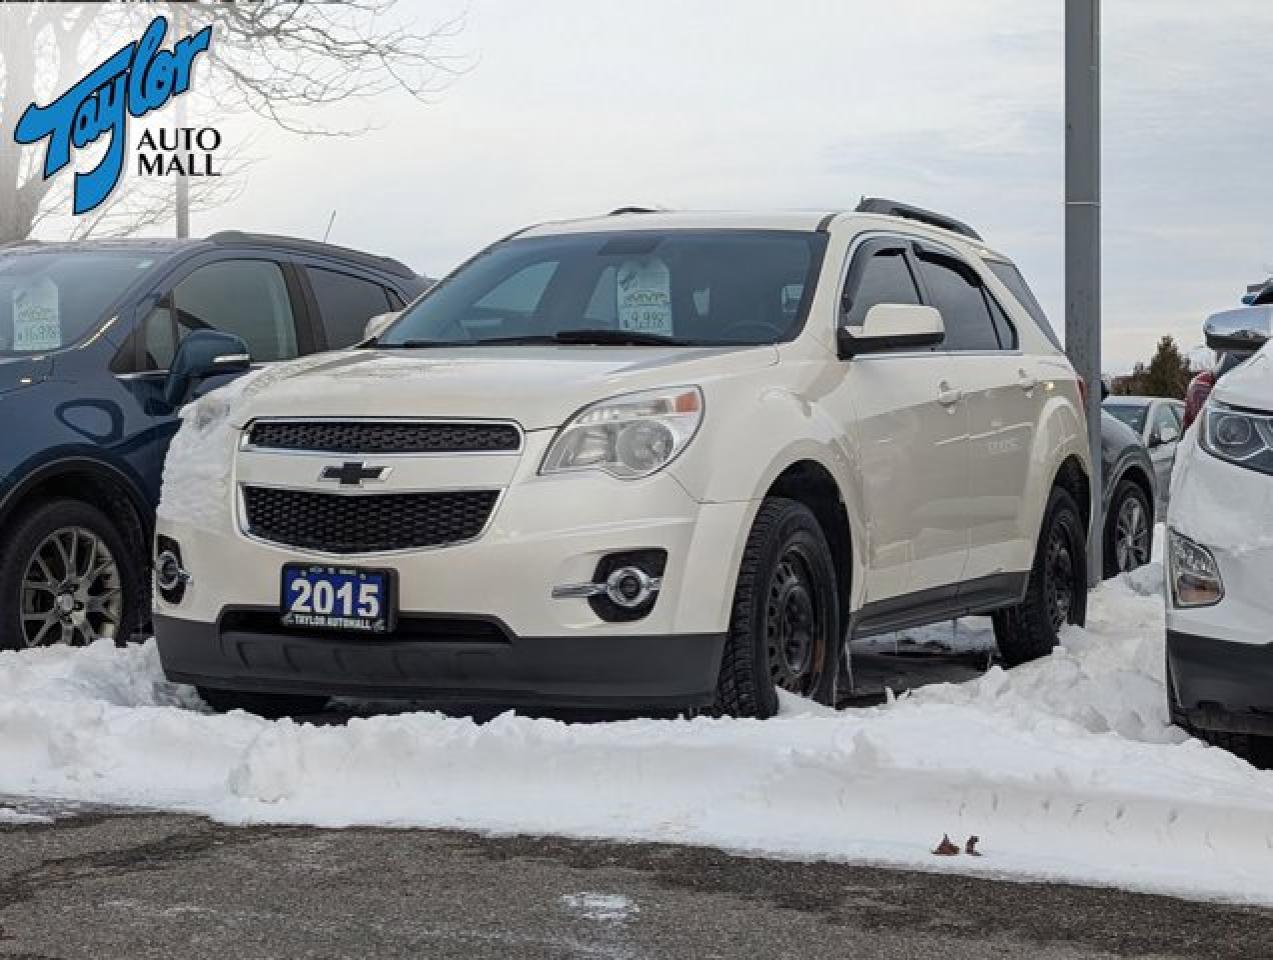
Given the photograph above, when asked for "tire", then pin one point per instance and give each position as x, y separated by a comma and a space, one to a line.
1057, 590
1129, 530
69, 574
784, 628
271, 706
1253, 749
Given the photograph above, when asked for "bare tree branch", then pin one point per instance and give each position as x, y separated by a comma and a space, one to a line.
281, 60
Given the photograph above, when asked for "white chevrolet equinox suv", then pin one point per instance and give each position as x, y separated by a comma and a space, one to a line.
646, 461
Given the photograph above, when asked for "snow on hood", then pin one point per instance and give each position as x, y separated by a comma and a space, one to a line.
1250, 385
540, 386
1066, 768
196, 477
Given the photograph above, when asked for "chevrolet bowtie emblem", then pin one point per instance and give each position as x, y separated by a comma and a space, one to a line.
354, 474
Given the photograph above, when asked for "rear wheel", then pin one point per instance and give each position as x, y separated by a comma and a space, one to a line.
1057, 590
1129, 530
69, 575
784, 630
272, 706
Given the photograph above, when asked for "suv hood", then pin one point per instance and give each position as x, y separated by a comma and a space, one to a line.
1250, 385
538, 386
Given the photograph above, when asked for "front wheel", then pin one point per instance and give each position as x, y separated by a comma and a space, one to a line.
1129, 530
69, 575
784, 629
1057, 590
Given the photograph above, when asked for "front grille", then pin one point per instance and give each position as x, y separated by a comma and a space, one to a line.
352, 436
372, 523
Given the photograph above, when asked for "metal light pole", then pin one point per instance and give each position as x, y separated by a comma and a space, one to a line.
1083, 231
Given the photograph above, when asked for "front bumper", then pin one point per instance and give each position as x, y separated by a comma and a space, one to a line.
1222, 685
608, 672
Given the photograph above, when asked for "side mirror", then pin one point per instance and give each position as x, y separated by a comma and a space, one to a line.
892, 326
1242, 331
379, 324
1104, 390
204, 353
1168, 435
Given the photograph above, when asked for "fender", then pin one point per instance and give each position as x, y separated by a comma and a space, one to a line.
64, 463
738, 459
1060, 435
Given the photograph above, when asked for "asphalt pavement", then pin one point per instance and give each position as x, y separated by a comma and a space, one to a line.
99, 885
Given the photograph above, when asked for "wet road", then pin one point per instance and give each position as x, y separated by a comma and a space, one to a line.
101, 885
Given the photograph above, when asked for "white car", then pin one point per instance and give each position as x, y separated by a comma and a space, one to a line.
648, 460
1220, 555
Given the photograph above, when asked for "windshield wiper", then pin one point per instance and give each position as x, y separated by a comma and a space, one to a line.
605, 337
599, 337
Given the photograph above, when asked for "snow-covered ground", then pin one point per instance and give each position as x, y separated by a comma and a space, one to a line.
1066, 768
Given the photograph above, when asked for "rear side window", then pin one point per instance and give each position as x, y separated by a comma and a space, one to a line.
345, 304
955, 289
1011, 278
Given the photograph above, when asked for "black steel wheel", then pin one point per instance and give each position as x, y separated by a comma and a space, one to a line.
784, 630
1056, 593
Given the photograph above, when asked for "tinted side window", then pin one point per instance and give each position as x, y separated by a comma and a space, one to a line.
244, 297
345, 304
1011, 278
955, 290
882, 277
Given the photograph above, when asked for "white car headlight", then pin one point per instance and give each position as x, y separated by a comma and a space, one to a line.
629, 436
1242, 438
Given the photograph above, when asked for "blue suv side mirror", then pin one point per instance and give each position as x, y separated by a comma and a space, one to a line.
202, 354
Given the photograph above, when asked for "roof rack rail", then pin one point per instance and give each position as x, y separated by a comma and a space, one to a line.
893, 208
620, 211
396, 267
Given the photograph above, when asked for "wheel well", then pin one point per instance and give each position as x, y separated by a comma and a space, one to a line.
110, 496
810, 483
1073, 478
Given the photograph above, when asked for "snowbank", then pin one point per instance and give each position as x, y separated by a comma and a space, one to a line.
1066, 768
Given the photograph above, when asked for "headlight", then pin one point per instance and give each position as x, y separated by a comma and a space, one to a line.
1194, 573
630, 436
1245, 439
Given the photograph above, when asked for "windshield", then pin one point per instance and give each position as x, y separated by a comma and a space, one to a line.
1131, 414
51, 299
699, 287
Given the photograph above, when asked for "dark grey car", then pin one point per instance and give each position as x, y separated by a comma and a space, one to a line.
1129, 493
1159, 422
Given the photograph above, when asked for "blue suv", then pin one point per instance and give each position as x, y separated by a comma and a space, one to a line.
101, 343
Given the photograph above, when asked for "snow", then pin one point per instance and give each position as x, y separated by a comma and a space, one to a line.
197, 471
1066, 769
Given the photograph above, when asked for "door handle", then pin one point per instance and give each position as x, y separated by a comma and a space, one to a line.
1026, 382
947, 395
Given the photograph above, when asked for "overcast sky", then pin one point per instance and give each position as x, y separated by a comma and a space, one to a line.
573, 107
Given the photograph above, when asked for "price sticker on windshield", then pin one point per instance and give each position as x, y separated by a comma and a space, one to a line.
36, 320
645, 297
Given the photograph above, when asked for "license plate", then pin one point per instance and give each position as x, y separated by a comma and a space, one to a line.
337, 598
